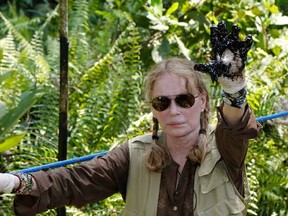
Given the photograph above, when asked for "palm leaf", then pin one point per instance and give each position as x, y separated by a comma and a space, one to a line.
11, 141
10, 119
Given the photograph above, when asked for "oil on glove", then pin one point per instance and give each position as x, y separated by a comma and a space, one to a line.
228, 58
7, 182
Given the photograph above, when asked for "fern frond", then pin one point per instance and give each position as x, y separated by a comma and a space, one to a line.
254, 187
12, 73
50, 16
10, 54
99, 75
264, 80
78, 33
41, 124
109, 93
37, 59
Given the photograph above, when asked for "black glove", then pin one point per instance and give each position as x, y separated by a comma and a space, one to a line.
228, 59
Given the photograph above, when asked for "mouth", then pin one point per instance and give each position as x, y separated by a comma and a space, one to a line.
175, 123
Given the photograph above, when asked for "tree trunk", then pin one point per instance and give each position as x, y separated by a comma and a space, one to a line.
63, 108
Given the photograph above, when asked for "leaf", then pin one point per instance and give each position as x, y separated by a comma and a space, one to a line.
274, 9
164, 48
183, 49
258, 24
278, 19
157, 6
211, 16
173, 8
11, 118
11, 141
156, 55
5, 76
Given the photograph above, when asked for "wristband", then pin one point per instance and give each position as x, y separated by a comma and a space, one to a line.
26, 184
237, 99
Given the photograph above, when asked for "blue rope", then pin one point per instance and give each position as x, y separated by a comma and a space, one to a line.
272, 116
61, 163
99, 154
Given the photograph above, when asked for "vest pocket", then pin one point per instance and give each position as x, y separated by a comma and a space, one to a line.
217, 194
214, 179
226, 207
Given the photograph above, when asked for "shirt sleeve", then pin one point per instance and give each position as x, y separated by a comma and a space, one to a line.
232, 143
86, 183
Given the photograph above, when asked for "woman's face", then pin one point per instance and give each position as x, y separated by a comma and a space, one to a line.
175, 120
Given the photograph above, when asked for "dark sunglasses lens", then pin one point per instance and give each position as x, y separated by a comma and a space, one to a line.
185, 100
160, 103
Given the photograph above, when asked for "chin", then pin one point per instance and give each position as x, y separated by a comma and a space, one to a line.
177, 132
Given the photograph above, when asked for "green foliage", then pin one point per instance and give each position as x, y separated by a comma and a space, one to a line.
111, 46
10, 119
269, 168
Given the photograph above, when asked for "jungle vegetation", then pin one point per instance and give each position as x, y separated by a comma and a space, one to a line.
112, 44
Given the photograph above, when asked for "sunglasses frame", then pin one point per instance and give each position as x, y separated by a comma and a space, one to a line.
168, 99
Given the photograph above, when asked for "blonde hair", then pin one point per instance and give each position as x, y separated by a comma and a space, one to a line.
158, 157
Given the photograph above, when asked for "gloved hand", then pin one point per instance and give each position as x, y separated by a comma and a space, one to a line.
228, 58
7, 182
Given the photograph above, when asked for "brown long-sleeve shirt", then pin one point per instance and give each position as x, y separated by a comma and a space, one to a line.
101, 177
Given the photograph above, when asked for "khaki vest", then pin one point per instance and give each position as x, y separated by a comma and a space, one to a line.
215, 194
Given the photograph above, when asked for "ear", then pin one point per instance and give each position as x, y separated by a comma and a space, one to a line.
203, 100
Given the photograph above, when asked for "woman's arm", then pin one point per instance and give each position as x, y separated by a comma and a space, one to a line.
232, 142
79, 185
232, 115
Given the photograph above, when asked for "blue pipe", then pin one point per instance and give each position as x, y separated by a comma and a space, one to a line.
272, 116
61, 163
99, 154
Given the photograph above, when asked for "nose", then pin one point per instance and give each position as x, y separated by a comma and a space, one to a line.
174, 109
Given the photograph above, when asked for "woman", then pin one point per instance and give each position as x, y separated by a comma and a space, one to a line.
186, 168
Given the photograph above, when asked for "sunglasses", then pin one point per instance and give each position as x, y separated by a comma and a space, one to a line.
161, 103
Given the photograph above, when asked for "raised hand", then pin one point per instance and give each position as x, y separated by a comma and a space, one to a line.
228, 57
